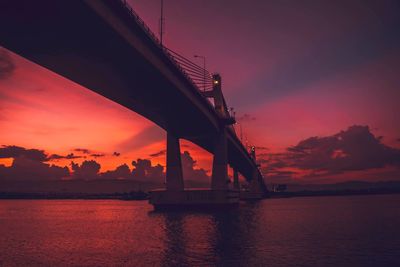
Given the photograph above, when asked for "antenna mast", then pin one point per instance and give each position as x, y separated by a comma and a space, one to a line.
162, 21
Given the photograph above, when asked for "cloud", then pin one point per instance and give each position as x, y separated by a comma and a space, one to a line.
82, 150
279, 176
159, 153
24, 168
30, 164
88, 170
143, 170
190, 171
354, 149
94, 155
7, 65
121, 172
17, 152
57, 156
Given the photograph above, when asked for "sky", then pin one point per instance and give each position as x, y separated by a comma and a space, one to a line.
315, 86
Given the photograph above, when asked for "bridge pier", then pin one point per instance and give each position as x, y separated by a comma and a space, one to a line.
219, 179
236, 180
177, 197
255, 186
255, 191
174, 175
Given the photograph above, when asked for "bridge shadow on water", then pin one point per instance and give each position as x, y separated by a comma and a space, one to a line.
205, 238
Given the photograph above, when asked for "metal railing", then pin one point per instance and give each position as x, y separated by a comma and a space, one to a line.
196, 75
199, 76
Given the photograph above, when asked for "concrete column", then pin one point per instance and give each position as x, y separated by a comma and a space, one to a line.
219, 179
255, 183
235, 179
174, 179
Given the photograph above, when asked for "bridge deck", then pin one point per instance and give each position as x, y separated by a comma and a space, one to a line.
100, 46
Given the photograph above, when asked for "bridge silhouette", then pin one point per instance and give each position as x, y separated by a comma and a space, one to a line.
106, 47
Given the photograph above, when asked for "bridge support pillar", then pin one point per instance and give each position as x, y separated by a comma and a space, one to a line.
174, 179
219, 179
255, 184
235, 180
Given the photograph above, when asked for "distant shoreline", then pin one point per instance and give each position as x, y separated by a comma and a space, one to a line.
137, 195
327, 193
141, 195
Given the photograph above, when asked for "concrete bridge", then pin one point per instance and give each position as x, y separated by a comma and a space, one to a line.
104, 46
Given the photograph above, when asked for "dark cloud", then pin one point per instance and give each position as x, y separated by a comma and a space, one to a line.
7, 65
57, 156
24, 168
143, 170
121, 172
354, 149
159, 153
116, 154
88, 170
17, 152
94, 155
273, 160
29, 164
190, 171
82, 150
278, 176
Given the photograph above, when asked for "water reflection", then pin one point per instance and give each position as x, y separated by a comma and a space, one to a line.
174, 253
326, 231
209, 238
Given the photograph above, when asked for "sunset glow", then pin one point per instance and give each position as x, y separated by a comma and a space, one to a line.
287, 78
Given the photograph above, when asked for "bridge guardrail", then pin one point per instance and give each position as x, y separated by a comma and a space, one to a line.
195, 74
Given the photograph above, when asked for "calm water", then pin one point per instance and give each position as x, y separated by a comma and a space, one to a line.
317, 231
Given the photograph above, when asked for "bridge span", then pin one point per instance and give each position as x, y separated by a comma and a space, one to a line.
105, 47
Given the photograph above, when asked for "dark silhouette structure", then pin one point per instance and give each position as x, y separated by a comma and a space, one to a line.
105, 47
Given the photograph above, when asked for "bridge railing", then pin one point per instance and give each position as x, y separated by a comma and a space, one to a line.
199, 77
141, 23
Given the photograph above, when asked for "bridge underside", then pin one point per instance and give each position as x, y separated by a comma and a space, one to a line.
101, 48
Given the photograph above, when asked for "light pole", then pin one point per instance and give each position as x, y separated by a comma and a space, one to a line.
162, 20
204, 70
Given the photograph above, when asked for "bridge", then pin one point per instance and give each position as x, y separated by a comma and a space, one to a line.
105, 46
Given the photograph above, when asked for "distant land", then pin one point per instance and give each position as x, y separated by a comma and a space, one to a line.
339, 189
350, 185
137, 190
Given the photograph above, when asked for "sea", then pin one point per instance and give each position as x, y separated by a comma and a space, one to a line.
303, 231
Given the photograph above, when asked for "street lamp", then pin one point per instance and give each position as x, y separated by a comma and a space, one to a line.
204, 70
